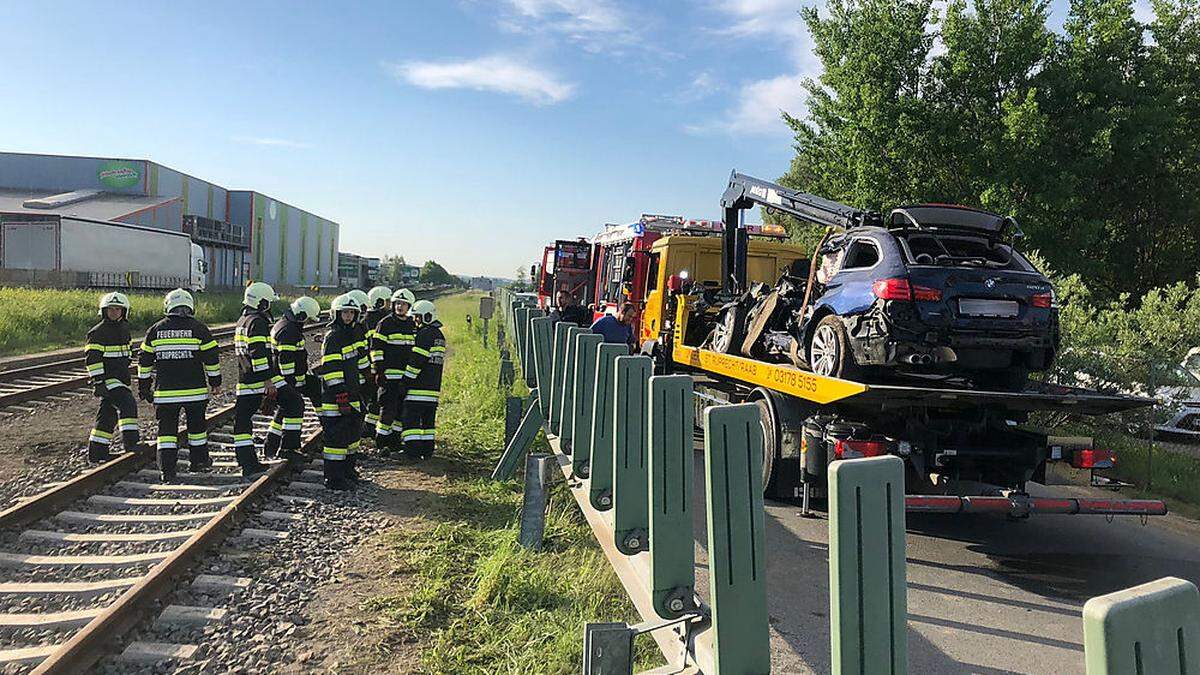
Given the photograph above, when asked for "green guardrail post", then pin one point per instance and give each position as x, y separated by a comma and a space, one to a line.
733, 442
631, 510
566, 423
867, 591
603, 426
541, 340
587, 346
672, 543
527, 346
556, 375
519, 333
522, 440
1151, 628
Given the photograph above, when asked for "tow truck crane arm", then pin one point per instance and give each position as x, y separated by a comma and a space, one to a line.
746, 191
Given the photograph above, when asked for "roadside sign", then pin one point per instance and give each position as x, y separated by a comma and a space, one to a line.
486, 306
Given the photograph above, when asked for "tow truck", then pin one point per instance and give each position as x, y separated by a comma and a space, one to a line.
630, 259
966, 450
566, 266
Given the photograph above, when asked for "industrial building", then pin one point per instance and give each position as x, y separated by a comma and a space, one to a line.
356, 271
245, 235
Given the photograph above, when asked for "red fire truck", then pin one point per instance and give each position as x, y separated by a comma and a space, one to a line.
566, 266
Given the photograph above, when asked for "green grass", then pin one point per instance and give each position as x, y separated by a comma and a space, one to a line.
40, 319
478, 602
1167, 475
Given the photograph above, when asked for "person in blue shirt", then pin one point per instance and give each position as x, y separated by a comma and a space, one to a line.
617, 329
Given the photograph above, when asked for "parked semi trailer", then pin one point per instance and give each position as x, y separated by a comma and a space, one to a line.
104, 254
965, 448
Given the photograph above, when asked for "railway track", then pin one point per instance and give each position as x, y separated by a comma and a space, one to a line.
51, 379
83, 561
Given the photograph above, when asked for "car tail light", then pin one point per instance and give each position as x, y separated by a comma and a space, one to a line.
1043, 300
851, 449
1093, 459
926, 294
892, 289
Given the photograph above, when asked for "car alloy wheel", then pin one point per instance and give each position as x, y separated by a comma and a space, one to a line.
824, 353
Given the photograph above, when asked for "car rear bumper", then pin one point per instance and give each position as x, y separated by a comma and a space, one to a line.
879, 342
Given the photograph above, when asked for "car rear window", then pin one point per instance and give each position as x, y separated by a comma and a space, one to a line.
924, 248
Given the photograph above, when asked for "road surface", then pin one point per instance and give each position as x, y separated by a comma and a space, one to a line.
985, 595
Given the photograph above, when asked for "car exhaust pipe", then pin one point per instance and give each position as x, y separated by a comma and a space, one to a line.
919, 359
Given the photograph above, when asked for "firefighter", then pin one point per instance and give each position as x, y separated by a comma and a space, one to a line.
259, 380
391, 345
178, 367
291, 360
423, 382
378, 299
341, 410
107, 356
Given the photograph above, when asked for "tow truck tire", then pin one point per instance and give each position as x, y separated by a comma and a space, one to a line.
771, 450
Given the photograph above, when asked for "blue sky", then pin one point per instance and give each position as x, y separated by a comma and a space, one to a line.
469, 132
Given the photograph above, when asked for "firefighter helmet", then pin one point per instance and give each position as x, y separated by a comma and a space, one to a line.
360, 298
304, 308
379, 296
343, 302
115, 299
257, 292
425, 311
179, 301
404, 295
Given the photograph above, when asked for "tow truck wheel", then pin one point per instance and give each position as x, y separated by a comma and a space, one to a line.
770, 427
829, 349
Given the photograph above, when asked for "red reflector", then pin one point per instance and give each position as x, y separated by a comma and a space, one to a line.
850, 449
926, 294
1043, 300
1093, 459
892, 289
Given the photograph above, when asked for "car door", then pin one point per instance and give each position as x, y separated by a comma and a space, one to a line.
849, 291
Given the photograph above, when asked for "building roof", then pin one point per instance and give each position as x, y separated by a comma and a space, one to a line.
102, 206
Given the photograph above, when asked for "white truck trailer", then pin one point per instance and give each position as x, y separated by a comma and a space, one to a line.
98, 253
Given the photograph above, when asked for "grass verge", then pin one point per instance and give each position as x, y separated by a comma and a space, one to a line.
479, 603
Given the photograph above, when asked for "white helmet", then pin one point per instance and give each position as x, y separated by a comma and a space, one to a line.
379, 296
424, 310
404, 295
179, 299
360, 299
304, 308
115, 299
343, 302
257, 292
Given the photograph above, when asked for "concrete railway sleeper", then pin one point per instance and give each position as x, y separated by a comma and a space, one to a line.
81, 563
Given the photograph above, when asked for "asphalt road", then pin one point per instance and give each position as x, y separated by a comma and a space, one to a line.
985, 595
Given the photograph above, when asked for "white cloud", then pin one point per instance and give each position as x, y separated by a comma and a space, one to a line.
703, 85
758, 108
779, 19
271, 142
598, 25
497, 73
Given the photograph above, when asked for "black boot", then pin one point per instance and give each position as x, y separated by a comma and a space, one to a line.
247, 458
335, 475
271, 446
351, 468
167, 458
98, 454
199, 460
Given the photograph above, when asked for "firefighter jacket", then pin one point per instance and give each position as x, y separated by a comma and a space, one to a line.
287, 343
107, 354
424, 370
180, 354
251, 343
339, 366
391, 345
363, 346
372, 319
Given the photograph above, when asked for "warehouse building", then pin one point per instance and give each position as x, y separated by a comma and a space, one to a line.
245, 235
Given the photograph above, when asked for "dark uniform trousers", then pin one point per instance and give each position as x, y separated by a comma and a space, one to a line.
117, 409
419, 421
387, 429
168, 435
284, 431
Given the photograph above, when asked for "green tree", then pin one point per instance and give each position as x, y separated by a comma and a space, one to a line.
433, 273
391, 270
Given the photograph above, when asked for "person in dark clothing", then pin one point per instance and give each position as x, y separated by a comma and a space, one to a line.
258, 377
341, 408
423, 382
568, 309
617, 329
107, 356
391, 348
291, 360
378, 299
178, 367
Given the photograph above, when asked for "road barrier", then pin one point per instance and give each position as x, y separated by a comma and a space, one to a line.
632, 476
